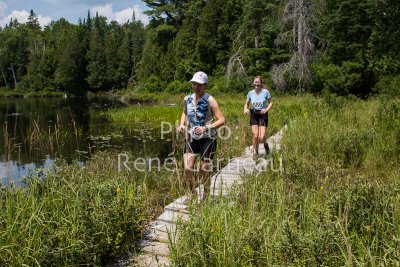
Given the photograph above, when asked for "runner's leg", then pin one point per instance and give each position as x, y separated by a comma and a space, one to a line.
189, 160
206, 168
263, 133
255, 131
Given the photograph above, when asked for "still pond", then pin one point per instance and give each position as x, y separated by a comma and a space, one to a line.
37, 131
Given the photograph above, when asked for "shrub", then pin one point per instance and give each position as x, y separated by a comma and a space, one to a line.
176, 87
388, 85
151, 85
233, 85
340, 79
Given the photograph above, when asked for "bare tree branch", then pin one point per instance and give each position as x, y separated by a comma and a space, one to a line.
235, 66
297, 69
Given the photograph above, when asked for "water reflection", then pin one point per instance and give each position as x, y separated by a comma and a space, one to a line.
36, 131
12, 171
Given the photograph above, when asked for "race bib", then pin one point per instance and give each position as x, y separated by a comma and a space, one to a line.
258, 105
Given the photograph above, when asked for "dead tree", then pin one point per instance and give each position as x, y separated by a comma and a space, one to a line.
235, 66
298, 14
4, 77
15, 79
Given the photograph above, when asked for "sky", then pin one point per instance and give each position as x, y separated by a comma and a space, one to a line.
71, 10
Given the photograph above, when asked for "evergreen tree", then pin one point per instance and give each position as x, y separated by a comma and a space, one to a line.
150, 61
170, 11
33, 21
96, 68
345, 31
112, 42
70, 55
218, 20
15, 53
136, 46
89, 21
254, 51
384, 43
124, 62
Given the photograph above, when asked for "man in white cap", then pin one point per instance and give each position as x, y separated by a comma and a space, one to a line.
200, 118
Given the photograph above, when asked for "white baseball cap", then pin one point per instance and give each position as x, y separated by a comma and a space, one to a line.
200, 77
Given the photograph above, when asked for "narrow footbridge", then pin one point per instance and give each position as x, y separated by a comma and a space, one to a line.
165, 228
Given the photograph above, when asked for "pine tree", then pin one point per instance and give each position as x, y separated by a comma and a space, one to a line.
96, 67
33, 21
70, 73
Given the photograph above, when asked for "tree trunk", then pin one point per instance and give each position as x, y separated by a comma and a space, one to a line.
4, 77
297, 68
15, 79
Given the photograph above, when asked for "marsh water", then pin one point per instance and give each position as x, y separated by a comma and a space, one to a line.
37, 131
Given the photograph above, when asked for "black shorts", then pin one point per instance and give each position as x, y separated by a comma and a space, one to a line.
256, 118
205, 147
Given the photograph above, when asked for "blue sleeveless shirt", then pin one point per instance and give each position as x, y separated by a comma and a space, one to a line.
200, 114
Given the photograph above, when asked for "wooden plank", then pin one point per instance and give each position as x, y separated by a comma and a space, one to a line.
163, 226
177, 207
263, 166
160, 236
239, 167
227, 188
219, 192
226, 183
248, 164
240, 173
149, 260
182, 200
155, 248
232, 171
227, 176
228, 179
241, 160
172, 216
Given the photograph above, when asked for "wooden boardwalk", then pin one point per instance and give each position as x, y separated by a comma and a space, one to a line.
165, 228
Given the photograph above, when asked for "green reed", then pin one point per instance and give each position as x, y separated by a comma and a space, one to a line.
79, 215
335, 203
145, 114
19, 143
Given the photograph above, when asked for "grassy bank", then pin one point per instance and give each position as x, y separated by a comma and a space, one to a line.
79, 215
335, 203
8, 93
12, 93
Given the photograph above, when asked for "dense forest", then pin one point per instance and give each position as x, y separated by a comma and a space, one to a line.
343, 47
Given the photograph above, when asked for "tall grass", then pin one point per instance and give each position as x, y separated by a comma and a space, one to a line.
146, 115
78, 215
36, 138
336, 203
